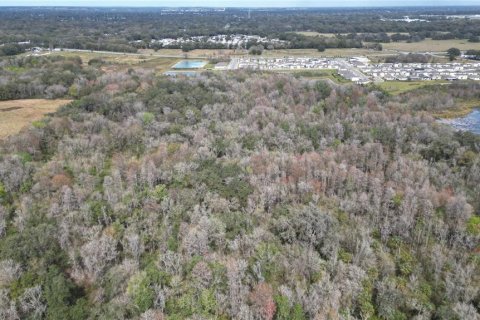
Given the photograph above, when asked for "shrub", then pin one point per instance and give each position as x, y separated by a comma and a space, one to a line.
140, 291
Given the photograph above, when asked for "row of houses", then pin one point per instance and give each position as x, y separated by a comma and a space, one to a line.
345, 67
360, 70
421, 71
236, 40
286, 63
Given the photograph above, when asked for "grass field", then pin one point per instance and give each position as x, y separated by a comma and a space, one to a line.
323, 74
331, 35
429, 45
398, 87
116, 62
211, 54
126, 58
16, 114
315, 53
197, 53
159, 64
314, 34
161, 60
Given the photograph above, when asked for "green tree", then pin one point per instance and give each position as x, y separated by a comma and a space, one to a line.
140, 291
283, 308
3, 193
323, 88
474, 39
61, 296
297, 312
11, 49
453, 53
208, 301
147, 118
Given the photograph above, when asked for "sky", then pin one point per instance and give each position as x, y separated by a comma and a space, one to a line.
238, 3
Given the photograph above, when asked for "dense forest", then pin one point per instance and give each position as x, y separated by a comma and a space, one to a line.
237, 195
115, 29
52, 77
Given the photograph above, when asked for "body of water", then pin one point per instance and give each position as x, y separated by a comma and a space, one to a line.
471, 122
189, 64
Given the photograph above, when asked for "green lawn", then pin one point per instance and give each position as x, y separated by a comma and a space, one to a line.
398, 87
431, 45
318, 74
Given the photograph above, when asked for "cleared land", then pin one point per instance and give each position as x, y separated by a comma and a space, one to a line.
398, 87
16, 114
316, 53
214, 53
117, 62
429, 45
331, 35
324, 74
197, 53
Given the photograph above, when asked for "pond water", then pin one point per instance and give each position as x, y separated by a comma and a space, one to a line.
471, 122
189, 64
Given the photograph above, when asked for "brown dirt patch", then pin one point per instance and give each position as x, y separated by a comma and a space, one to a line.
16, 114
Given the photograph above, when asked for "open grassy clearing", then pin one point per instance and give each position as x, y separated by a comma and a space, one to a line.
429, 45
323, 74
398, 87
109, 58
331, 35
314, 34
159, 64
197, 53
16, 114
316, 53
213, 53
116, 62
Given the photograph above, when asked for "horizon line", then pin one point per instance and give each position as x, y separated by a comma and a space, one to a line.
242, 7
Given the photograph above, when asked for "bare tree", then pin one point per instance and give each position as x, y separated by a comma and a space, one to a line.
8, 310
9, 272
97, 254
3, 221
31, 302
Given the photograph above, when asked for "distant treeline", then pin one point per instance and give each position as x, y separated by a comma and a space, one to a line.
410, 58
116, 29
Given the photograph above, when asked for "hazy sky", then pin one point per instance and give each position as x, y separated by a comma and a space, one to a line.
237, 3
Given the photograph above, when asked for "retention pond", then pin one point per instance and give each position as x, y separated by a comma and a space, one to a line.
189, 64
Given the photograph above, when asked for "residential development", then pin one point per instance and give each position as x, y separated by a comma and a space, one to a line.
228, 41
361, 70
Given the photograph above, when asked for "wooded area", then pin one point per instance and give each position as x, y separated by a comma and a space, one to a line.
116, 29
235, 195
